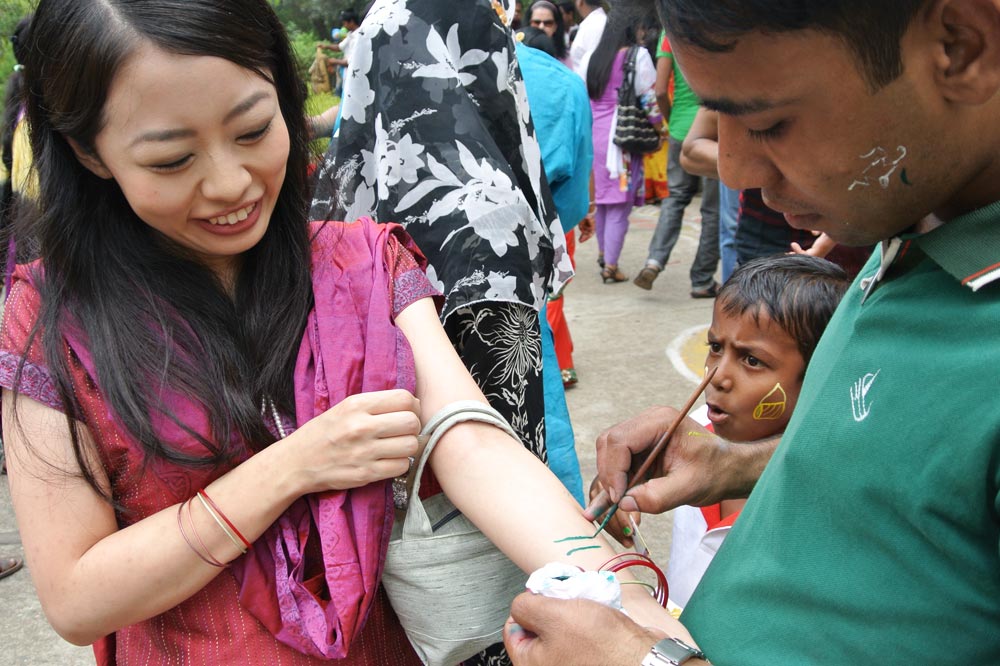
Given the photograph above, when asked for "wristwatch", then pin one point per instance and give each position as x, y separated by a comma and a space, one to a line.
671, 652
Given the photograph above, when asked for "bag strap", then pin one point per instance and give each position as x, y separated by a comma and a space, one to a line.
626, 93
417, 523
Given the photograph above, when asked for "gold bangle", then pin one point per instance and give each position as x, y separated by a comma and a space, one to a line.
222, 525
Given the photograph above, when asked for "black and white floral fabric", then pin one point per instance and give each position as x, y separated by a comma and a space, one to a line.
435, 135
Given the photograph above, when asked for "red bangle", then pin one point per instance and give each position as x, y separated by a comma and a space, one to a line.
239, 534
180, 525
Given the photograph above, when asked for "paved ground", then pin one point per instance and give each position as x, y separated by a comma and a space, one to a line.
625, 341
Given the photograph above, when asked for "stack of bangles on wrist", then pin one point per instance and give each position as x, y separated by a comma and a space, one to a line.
220, 519
660, 591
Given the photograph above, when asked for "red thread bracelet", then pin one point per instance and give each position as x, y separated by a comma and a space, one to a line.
180, 525
239, 534
625, 560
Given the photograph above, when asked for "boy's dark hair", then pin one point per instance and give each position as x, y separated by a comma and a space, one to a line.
798, 292
871, 29
349, 15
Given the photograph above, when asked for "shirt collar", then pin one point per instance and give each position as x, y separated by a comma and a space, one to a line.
967, 247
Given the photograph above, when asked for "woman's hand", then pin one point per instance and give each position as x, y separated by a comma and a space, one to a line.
366, 437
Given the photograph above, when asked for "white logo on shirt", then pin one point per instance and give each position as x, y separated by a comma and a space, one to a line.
859, 395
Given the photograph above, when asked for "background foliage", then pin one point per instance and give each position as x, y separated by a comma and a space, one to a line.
11, 11
307, 22
313, 16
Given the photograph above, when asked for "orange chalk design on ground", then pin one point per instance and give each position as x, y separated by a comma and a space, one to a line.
772, 406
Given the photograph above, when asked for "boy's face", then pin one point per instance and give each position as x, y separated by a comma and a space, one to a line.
798, 120
758, 379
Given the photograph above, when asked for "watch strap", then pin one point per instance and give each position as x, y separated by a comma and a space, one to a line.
671, 652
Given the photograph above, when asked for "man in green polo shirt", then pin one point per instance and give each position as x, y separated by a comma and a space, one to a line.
873, 534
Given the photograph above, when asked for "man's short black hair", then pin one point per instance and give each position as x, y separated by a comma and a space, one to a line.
871, 29
349, 15
799, 293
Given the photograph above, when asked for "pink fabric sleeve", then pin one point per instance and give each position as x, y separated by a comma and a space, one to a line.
33, 379
409, 282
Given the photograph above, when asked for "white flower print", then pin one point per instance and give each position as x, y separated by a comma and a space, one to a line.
363, 203
385, 16
531, 152
396, 160
502, 287
505, 70
442, 177
497, 224
447, 150
358, 93
493, 207
432, 277
449, 57
516, 334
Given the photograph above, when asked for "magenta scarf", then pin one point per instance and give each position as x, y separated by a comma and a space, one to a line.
351, 345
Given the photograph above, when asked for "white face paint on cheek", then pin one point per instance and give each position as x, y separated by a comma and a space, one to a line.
880, 166
772, 406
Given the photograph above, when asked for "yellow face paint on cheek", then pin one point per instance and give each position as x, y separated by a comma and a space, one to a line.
772, 406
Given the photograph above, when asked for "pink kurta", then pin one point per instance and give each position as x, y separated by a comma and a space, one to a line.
364, 274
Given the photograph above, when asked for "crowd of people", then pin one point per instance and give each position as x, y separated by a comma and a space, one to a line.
216, 357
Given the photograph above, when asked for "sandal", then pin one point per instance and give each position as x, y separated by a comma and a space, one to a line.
600, 259
569, 377
10, 565
612, 274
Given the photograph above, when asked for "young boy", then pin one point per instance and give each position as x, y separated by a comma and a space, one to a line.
767, 320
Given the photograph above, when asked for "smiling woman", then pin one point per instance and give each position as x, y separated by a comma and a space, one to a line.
206, 177
205, 396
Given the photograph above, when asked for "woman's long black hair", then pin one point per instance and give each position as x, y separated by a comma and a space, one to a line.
619, 32
559, 37
155, 319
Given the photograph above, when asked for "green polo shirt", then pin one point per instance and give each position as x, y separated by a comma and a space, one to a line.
685, 103
873, 534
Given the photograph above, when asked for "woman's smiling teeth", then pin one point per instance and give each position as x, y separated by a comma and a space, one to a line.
234, 217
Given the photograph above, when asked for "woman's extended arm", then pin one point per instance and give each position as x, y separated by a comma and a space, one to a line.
517, 502
94, 578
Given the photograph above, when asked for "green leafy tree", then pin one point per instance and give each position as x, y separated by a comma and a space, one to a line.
315, 16
11, 11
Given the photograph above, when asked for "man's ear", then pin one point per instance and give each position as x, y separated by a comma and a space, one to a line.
89, 160
967, 62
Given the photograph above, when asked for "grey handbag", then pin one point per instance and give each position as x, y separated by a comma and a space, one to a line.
449, 585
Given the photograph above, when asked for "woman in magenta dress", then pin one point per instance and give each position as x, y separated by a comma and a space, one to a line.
618, 176
206, 397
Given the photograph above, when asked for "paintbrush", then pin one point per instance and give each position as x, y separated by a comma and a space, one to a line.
597, 506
